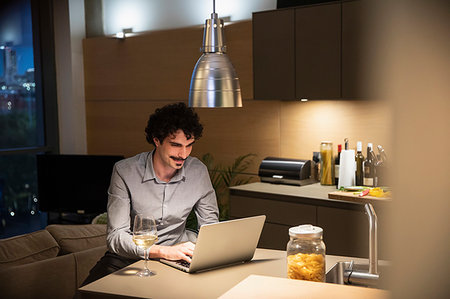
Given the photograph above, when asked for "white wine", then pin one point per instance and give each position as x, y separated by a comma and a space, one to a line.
145, 241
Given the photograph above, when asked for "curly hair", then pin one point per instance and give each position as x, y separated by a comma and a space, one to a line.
171, 118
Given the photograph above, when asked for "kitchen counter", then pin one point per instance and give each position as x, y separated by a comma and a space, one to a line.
315, 194
172, 283
345, 224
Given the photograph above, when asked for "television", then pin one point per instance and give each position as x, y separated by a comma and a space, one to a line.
74, 183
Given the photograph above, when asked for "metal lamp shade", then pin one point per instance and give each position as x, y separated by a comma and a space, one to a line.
214, 83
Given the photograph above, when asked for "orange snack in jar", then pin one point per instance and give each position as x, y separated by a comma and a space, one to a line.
306, 267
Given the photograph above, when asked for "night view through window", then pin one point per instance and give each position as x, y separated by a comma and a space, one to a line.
20, 125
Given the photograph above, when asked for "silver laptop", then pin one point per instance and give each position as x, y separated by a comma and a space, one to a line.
223, 243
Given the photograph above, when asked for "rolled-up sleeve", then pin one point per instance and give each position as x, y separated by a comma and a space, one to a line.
119, 239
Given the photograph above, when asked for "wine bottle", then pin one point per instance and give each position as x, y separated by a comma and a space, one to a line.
369, 167
336, 165
359, 175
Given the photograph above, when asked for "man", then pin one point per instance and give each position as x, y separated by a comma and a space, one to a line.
166, 183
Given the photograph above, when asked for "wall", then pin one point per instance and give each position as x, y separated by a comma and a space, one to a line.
414, 71
144, 15
69, 32
127, 79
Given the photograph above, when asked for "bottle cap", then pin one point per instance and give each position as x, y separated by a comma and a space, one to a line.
359, 146
306, 230
339, 147
370, 145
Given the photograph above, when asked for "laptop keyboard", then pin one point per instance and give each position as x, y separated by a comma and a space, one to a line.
183, 263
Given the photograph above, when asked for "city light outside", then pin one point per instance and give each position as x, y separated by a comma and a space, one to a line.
19, 127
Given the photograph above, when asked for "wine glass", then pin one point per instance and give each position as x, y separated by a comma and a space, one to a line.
144, 236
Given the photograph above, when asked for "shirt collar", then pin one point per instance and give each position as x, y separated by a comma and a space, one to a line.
149, 173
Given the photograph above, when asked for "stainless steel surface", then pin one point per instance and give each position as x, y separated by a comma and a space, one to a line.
355, 274
373, 238
214, 82
213, 36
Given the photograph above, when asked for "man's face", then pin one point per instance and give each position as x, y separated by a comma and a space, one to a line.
174, 149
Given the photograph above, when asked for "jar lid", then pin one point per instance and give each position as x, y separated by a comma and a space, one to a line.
306, 230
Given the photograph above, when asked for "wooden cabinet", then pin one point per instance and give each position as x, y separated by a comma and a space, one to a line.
274, 55
355, 50
296, 53
314, 51
318, 52
345, 231
345, 225
280, 216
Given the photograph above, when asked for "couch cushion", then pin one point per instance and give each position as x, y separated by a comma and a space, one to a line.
85, 260
50, 278
28, 248
74, 238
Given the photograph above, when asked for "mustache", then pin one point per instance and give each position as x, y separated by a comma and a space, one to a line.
177, 159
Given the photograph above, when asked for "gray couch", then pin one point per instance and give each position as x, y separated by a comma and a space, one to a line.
50, 263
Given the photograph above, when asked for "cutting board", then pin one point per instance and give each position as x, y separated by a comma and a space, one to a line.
349, 196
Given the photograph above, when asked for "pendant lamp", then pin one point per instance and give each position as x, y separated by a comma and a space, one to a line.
214, 82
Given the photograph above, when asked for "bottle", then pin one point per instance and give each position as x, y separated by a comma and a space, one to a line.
326, 163
359, 174
369, 167
306, 253
336, 165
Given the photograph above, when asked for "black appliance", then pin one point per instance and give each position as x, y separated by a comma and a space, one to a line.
285, 171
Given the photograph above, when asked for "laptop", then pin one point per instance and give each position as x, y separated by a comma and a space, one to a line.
223, 243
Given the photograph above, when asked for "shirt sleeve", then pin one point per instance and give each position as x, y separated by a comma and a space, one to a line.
206, 208
119, 238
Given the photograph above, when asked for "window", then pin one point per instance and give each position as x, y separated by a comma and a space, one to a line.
28, 124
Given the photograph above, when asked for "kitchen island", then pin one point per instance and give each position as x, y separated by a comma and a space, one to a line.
268, 264
345, 225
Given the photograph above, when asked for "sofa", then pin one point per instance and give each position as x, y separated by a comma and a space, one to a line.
50, 263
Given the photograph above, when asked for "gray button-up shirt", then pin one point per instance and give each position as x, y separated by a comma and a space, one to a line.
136, 189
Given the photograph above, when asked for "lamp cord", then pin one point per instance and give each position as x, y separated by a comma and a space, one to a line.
214, 6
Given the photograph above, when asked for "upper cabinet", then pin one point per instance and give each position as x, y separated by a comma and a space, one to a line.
311, 52
318, 51
274, 55
355, 50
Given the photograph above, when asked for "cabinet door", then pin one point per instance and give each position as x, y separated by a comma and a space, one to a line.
355, 50
318, 51
273, 55
280, 216
345, 232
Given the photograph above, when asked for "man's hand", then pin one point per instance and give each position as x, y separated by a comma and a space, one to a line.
182, 251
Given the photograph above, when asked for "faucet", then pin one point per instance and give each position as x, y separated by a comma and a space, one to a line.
373, 238
370, 278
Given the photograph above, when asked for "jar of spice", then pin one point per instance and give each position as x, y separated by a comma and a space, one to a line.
306, 253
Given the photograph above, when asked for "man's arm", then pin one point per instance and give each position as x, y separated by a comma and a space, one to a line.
119, 239
206, 208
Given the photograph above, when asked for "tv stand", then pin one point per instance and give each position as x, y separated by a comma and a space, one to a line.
69, 218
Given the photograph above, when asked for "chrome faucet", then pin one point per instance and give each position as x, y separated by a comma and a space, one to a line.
373, 238
371, 277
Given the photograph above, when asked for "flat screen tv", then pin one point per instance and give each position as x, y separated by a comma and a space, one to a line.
74, 183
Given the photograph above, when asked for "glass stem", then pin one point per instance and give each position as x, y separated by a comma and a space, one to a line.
145, 258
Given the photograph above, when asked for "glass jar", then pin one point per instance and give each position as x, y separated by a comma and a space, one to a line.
326, 163
306, 253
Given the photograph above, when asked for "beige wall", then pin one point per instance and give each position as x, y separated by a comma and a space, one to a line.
413, 69
127, 79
